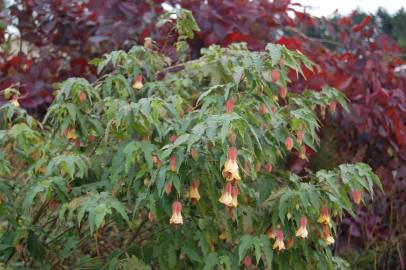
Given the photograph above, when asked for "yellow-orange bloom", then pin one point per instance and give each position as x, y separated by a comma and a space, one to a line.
302, 231
356, 196
328, 238
138, 82
176, 217
324, 217
194, 191
226, 197
230, 171
234, 197
279, 244
70, 133
172, 163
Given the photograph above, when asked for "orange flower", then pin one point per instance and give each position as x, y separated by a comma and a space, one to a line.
356, 196
289, 143
226, 197
283, 92
70, 133
302, 231
234, 197
271, 233
229, 106
138, 82
279, 245
230, 171
324, 217
262, 109
327, 235
275, 75
176, 217
172, 162
194, 191
82, 97
247, 261
156, 161
268, 167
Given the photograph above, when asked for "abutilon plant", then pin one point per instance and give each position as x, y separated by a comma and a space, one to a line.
126, 198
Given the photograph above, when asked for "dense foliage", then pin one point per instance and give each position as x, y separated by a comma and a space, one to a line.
352, 54
156, 166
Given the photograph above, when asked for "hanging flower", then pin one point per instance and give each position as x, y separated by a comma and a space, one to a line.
82, 97
229, 106
262, 109
324, 217
275, 75
356, 196
279, 245
247, 261
226, 197
271, 233
176, 217
138, 82
327, 235
172, 162
234, 197
156, 161
289, 143
230, 171
194, 191
283, 92
70, 133
302, 231
268, 167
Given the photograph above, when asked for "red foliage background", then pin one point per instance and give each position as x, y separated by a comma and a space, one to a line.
61, 36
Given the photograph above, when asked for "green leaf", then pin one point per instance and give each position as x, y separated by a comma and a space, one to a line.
245, 244
147, 148
267, 250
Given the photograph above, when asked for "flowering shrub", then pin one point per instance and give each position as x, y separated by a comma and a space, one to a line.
161, 166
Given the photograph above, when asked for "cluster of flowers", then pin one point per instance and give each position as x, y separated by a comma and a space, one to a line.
302, 232
229, 197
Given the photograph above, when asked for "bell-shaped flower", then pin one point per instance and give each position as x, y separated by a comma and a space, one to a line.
279, 244
194, 191
176, 217
231, 170
138, 82
324, 217
302, 230
226, 197
328, 238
